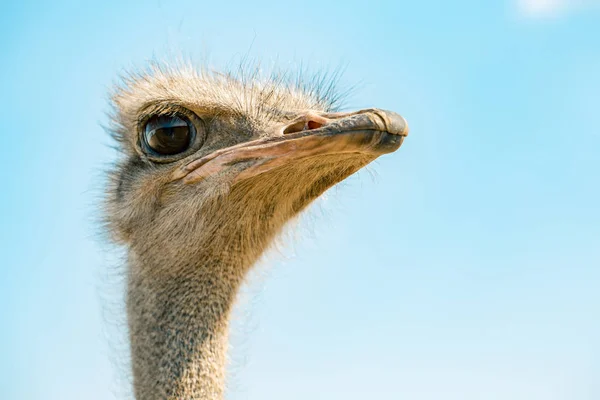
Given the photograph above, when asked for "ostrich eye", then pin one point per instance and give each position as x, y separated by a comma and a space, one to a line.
168, 134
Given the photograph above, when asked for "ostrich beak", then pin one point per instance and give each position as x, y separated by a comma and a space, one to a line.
369, 132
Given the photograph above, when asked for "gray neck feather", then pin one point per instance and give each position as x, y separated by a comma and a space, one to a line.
178, 326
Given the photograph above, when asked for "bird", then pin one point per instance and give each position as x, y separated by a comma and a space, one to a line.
211, 167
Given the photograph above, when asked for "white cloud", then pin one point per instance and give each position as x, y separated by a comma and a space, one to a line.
552, 8
536, 8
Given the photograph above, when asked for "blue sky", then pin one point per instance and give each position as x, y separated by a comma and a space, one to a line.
465, 266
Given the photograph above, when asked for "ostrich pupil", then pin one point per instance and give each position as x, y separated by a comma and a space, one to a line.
168, 135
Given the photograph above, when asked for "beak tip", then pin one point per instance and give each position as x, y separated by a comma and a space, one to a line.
405, 129
398, 124
394, 122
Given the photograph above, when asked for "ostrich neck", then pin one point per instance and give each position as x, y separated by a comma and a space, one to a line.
178, 324
183, 280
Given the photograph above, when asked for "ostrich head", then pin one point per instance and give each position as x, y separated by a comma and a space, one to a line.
212, 168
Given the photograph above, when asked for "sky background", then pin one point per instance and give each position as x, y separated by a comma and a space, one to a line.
465, 266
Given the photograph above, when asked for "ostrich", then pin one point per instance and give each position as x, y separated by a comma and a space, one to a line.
211, 168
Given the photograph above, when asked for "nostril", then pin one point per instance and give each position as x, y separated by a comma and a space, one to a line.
302, 126
313, 125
